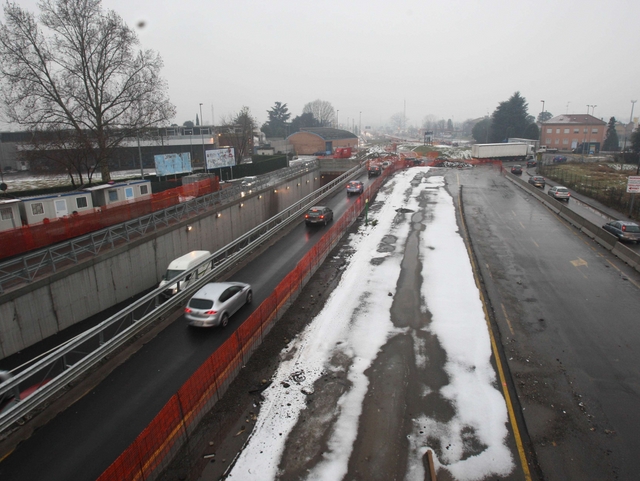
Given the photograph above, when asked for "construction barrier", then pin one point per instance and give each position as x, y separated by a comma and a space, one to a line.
155, 447
36, 236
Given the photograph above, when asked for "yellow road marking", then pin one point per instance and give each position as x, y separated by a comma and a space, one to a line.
504, 311
579, 262
496, 355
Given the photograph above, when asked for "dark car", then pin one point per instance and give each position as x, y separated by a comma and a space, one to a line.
624, 230
374, 170
355, 187
559, 158
559, 193
537, 180
318, 214
516, 169
532, 163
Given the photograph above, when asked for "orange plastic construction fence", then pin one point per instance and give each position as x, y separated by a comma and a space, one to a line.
154, 448
36, 236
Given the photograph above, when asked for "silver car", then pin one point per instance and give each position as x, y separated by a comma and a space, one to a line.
216, 302
559, 193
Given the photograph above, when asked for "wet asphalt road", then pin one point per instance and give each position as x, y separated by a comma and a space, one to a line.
568, 313
83, 441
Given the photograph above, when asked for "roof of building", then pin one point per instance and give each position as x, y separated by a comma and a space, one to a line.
328, 133
580, 119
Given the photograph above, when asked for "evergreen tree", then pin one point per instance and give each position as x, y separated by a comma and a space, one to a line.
510, 119
277, 123
611, 142
480, 131
531, 132
302, 121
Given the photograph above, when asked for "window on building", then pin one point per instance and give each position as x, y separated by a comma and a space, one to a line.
144, 189
113, 195
566, 131
557, 131
594, 131
128, 193
565, 141
585, 130
576, 131
37, 208
187, 131
81, 202
549, 130
557, 141
6, 213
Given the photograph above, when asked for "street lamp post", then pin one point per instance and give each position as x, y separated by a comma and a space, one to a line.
338, 121
204, 159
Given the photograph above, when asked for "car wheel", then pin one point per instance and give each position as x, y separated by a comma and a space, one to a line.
249, 297
225, 320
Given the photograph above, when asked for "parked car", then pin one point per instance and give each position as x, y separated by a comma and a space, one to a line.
318, 214
559, 158
516, 169
532, 163
537, 180
355, 187
216, 302
559, 193
624, 230
374, 170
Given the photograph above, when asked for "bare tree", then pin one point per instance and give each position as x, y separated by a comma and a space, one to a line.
79, 69
60, 151
322, 111
237, 131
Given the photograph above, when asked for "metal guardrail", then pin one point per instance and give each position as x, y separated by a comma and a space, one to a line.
70, 361
24, 269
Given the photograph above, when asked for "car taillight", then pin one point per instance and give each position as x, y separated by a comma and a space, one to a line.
187, 310
306, 216
209, 313
322, 217
624, 227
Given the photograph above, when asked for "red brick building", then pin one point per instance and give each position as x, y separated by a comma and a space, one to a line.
570, 131
321, 139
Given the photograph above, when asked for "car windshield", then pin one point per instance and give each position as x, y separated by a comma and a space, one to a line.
196, 303
562, 189
172, 273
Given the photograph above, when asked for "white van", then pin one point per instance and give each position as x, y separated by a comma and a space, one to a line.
181, 264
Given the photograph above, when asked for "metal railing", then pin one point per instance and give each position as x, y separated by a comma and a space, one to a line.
52, 373
25, 269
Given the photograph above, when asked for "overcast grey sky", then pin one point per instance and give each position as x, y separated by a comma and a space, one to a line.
452, 59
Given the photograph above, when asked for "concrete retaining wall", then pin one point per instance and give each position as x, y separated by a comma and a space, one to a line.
49, 305
597, 233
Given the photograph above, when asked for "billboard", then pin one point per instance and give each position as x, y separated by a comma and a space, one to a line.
220, 158
169, 164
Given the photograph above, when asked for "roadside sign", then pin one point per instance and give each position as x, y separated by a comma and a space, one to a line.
633, 184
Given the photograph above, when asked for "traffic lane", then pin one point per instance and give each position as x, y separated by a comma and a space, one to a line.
585, 211
567, 312
131, 396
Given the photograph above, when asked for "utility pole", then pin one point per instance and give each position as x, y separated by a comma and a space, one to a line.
624, 145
